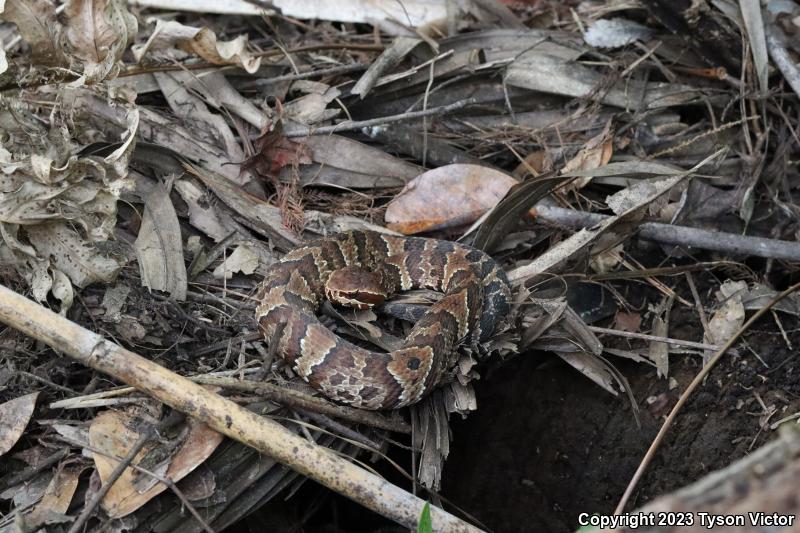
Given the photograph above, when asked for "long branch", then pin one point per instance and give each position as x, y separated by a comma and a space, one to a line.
262, 434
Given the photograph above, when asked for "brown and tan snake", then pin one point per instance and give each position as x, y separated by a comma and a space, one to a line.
360, 269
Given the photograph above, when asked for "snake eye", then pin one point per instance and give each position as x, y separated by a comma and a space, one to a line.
413, 363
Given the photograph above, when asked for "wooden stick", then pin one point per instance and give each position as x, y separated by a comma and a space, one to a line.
262, 434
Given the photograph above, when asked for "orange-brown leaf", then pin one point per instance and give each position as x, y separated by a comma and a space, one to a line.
448, 196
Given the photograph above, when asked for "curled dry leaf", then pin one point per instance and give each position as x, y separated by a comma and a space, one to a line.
113, 434
36, 22
14, 417
448, 196
99, 31
200, 41
57, 205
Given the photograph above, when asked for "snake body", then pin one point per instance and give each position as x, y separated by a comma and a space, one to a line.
476, 295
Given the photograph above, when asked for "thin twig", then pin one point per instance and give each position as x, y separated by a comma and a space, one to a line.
351, 126
31, 471
165, 480
698, 304
90, 507
698, 379
656, 338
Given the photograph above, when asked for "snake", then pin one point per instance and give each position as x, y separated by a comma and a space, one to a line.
361, 269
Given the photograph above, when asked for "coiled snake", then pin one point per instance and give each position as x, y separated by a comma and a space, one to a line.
360, 269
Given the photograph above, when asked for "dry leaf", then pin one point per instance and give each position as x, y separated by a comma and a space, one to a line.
313, 107
99, 31
113, 433
56, 499
83, 263
203, 211
595, 153
659, 351
185, 104
343, 162
607, 260
14, 417
274, 151
244, 259
159, 246
200, 41
448, 196
728, 319
558, 72
535, 163
36, 22
613, 33
624, 321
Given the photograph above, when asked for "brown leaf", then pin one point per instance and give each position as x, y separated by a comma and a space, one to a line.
57, 496
448, 196
627, 321
274, 151
113, 433
538, 161
595, 153
14, 417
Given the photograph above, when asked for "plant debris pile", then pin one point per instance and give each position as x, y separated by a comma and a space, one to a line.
626, 163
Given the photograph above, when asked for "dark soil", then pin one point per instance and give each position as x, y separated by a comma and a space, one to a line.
547, 444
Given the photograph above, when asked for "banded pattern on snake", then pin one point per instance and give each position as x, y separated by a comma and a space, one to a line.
360, 269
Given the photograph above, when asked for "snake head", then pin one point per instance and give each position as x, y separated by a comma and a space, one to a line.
354, 287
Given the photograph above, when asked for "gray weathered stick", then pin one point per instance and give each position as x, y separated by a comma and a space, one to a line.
683, 235
263, 434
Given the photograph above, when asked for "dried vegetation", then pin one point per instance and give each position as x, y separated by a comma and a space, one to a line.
154, 163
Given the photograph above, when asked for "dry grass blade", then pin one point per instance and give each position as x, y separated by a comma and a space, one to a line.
505, 216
